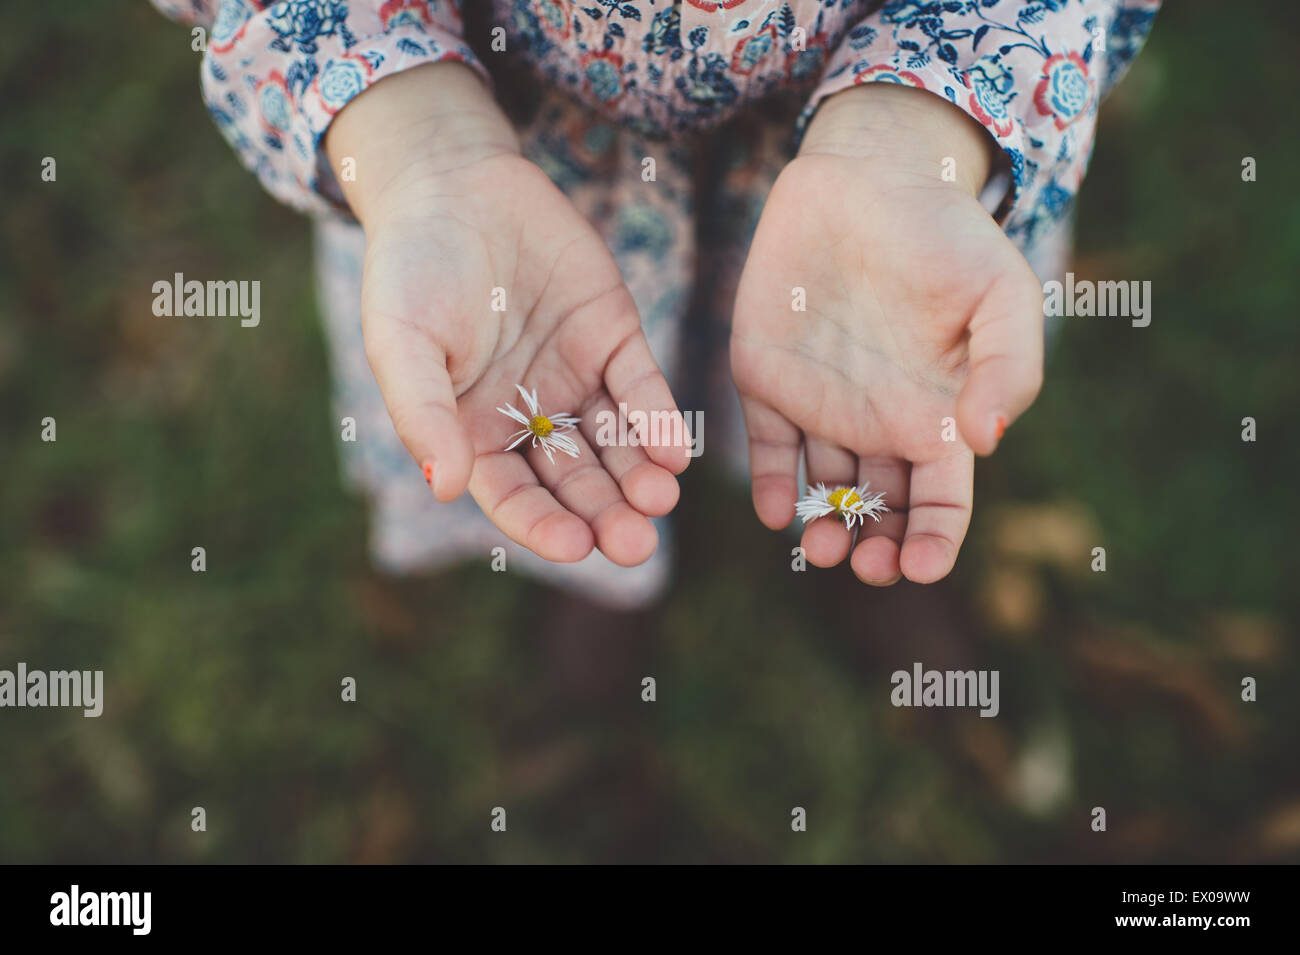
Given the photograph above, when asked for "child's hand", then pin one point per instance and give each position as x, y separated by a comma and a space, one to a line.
455, 219
918, 309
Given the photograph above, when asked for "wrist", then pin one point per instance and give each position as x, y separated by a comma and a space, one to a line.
409, 130
906, 130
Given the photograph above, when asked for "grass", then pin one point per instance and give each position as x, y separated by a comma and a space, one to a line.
1120, 689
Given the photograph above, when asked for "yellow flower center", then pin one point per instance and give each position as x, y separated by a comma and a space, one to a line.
844, 498
541, 426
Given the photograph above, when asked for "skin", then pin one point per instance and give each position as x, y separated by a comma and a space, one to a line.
451, 212
918, 309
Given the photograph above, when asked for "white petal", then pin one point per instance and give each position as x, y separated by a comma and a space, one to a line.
511, 412
564, 443
812, 504
811, 509
530, 402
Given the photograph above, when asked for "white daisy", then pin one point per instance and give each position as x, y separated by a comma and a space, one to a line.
854, 504
548, 431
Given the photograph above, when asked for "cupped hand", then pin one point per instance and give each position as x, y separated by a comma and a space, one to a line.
480, 275
921, 339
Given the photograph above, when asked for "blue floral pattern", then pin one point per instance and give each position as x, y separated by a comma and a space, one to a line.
1032, 72
300, 23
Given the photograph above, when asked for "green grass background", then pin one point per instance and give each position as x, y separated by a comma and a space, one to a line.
477, 690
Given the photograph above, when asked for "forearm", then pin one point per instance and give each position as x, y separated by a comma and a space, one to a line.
405, 130
908, 129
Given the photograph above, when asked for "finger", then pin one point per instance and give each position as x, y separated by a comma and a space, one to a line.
826, 540
890, 477
1006, 358
875, 558
411, 370
582, 485
875, 561
633, 378
509, 493
773, 462
649, 488
939, 506
563, 383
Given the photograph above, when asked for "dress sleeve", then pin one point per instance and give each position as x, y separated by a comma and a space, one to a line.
1032, 72
275, 74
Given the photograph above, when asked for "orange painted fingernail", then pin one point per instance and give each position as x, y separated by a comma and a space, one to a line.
428, 474
999, 427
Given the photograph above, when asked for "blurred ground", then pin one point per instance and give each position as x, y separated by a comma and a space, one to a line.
1119, 690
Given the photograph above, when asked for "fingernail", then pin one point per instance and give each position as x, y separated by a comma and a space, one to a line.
427, 467
999, 427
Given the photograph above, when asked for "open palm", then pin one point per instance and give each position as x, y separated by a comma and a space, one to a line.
918, 309
498, 232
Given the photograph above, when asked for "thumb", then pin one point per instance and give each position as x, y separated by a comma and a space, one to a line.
1006, 358
412, 376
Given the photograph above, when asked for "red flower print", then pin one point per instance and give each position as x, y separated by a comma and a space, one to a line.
752, 50
1065, 91
556, 17
398, 12
340, 80
887, 74
604, 72
274, 104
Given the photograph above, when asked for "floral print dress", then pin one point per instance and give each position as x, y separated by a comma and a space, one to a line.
716, 91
